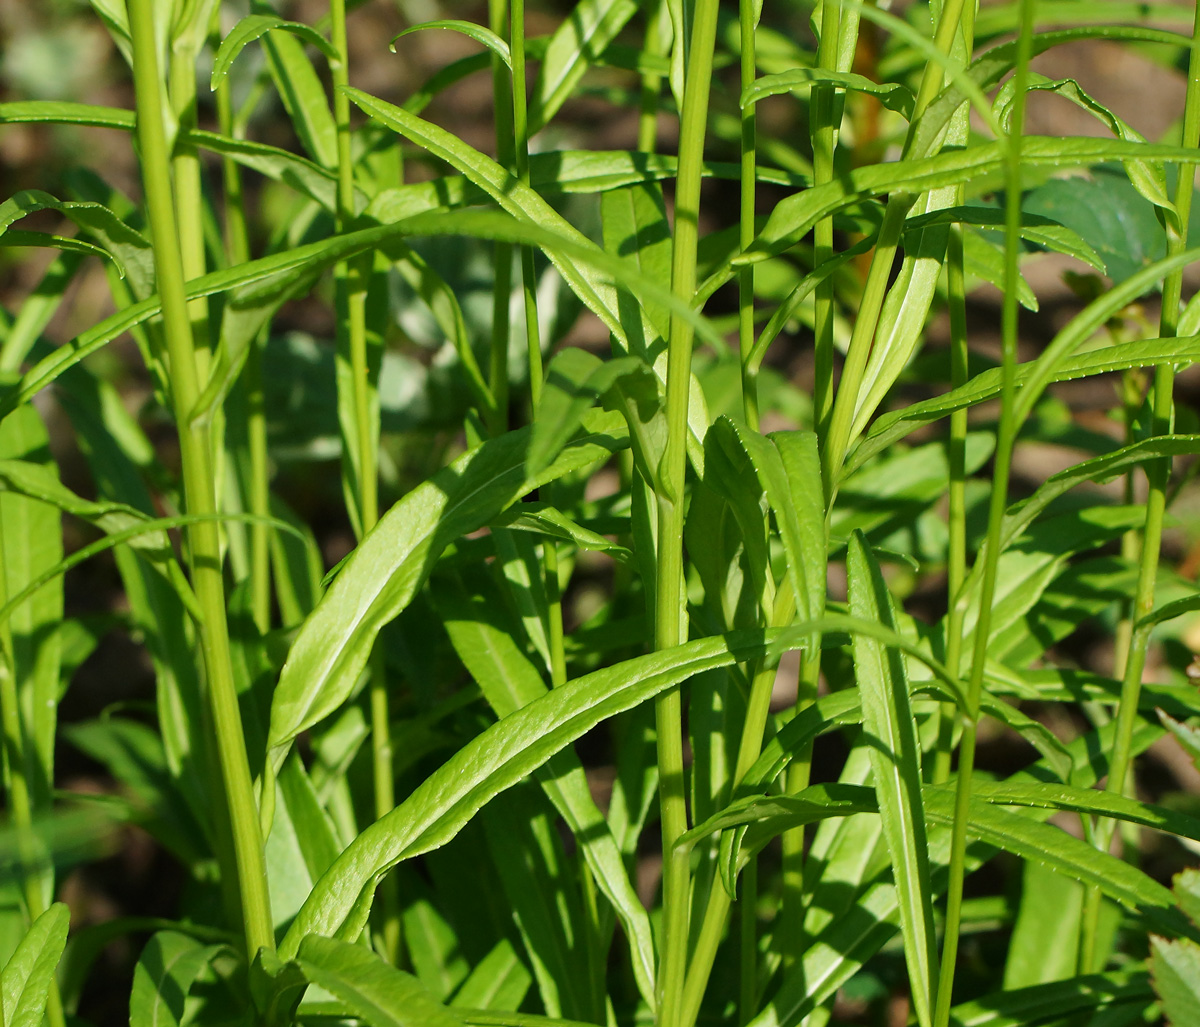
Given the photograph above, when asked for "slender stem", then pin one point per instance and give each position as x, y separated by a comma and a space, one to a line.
237, 249
670, 609
824, 144
956, 563
653, 45
1158, 473
199, 487
351, 284
502, 108
748, 996
747, 17
999, 501
189, 195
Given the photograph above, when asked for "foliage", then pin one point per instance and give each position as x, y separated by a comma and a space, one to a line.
609, 609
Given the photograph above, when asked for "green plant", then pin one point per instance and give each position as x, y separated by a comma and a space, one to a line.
418, 786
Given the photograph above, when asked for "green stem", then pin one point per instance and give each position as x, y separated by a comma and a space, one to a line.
502, 110
956, 563
670, 609
747, 15
1158, 474
653, 45
199, 488
237, 249
352, 326
999, 501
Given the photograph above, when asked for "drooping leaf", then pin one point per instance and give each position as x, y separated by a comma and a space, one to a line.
251, 28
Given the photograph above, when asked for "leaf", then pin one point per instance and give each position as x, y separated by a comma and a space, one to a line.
378, 994
129, 249
302, 175
579, 41
635, 226
503, 754
1035, 228
1087, 995
576, 380
165, 973
468, 28
891, 95
552, 523
29, 973
890, 732
984, 386
58, 242
498, 982
794, 216
509, 682
384, 572
251, 28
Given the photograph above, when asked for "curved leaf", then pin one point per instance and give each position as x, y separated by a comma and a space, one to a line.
891, 95
251, 28
500, 757
383, 574
29, 972
468, 28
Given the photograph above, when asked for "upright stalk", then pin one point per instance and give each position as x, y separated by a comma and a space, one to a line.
653, 45
351, 284
199, 487
747, 15
502, 107
1157, 473
237, 249
670, 609
999, 501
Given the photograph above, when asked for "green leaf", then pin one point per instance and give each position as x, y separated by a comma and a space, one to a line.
13, 237
251, 28
1063, 1001
890, 734
29, 973
378, 994
498, 982
509, 681
468, 28
128, 249
635, 226
891, 95
552, 523
165, 973
576, 381
502, 755
984, 386
384, 572
579, 41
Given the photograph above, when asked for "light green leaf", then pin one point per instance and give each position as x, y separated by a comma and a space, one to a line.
502, 755
29, 973
251, 28
13, 237
165, 973
1063, 1001
384, 572
549, 522
499, 982
468, 28
891, 95
378, 994
891, 736
579, 41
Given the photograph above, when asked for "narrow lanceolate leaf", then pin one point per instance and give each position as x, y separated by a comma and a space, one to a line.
500, 757
891, 95
1059, 1002
384, 572
1175, 970
165, 973
890, 732
251, 28
575, 45
468, 28
377, 993
29, 972
509, 682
